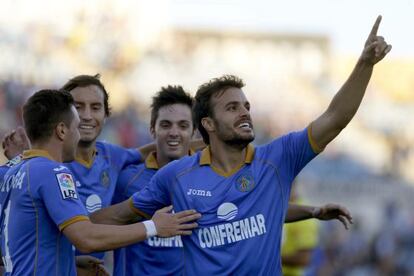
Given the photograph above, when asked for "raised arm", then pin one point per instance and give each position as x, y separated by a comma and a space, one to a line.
298, 212
15, 142
346, 102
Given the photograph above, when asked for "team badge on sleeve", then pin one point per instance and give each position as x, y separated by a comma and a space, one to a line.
67, 186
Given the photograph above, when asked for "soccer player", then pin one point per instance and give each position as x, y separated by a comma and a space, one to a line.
172, 128
241, 191
41, 213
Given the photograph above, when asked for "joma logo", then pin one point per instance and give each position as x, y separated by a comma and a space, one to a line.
196, 192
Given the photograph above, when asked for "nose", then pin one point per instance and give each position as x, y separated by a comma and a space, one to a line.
174, 131
85, 114
244, 112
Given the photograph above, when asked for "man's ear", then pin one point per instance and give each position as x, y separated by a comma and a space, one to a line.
152, 132
61, 131
208, 124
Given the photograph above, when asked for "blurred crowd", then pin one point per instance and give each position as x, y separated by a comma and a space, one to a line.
373, 158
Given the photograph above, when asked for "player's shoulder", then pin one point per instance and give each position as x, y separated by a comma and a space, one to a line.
41, 166
185, 164
133, 169
109, 149
280, 142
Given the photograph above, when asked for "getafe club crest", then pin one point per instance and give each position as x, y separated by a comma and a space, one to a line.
105, 178
245, 183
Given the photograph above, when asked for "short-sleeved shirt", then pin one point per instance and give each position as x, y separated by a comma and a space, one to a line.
4, 168
96, 181
154, 256
242, 212
38, 200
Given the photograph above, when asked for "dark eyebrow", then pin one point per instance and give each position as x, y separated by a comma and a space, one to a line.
232, 103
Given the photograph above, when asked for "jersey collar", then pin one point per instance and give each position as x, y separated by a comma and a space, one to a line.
86, 163
36, 153
151, 160
205, 157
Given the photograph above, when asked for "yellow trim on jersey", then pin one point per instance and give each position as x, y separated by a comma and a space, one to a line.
205, 159
136, 210
36, 153
86, 163
71, 221
314, 145
151, 161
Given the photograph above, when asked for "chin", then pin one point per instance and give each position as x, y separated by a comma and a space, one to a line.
175, 156
68, 159
86, 142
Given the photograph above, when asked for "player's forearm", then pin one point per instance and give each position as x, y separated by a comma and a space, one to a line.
117, 214
346, 102
108, 237
145, 150
297, 212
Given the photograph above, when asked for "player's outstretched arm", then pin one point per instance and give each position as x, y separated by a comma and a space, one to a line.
89, 237
15, 142
117, 214
329, 211
347, 100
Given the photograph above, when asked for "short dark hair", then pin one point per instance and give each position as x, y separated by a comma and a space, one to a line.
44, 110
202, 107
86, 80
169, 95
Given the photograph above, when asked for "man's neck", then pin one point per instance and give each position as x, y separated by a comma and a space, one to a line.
86, 152
226, 158
53, 149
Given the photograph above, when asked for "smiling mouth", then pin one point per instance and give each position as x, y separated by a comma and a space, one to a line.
245, 126
173, 143
86, 127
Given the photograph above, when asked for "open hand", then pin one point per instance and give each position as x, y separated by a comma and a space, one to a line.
172, 224
334, 211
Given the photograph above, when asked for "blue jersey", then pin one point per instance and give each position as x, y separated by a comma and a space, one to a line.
154, 256
38, 200
96, 181
242, 212
4, 168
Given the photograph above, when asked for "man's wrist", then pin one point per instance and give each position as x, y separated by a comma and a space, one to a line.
316, 211
150, 228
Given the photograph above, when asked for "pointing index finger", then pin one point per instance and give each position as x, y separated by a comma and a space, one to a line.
374, 29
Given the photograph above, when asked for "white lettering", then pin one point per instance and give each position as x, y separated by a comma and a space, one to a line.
245, 229
165, 242
195, 192
14, 181
261, 222
255, 229
229, 233
236, 226
235, 231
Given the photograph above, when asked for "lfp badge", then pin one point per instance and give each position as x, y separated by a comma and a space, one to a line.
66, 185
245, 183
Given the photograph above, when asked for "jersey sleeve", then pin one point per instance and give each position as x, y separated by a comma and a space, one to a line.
155, 195
127, 176
57, 191
123, 157
292, 152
